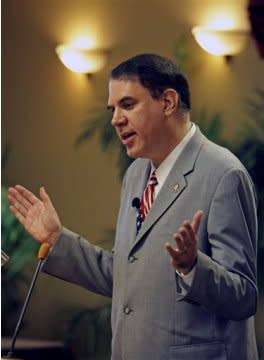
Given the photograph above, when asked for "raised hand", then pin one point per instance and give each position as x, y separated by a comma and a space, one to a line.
38, 216
184, 254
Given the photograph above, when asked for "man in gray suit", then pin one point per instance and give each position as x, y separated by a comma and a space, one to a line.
182, 277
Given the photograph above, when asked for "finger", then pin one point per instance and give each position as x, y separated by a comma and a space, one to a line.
174, 253
179, 242
27, 194
197, 220
17, 214
177, 258
11, 198
188, 234
14, 194
17, 205
45, 197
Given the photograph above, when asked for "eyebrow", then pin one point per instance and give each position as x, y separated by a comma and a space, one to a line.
121, 101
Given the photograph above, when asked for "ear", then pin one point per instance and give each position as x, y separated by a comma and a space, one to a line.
170, 99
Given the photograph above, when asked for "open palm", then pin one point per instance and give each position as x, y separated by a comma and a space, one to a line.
38, 216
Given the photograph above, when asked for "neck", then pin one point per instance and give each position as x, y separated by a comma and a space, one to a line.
177, 130
183, 127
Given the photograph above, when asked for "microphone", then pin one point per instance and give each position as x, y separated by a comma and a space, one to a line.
42, 254
4, 258
136, 204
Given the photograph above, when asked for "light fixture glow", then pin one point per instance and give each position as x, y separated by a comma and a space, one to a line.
220, 42
81, 60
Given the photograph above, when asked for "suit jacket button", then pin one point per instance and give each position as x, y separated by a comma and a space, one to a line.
127, 310
131, 258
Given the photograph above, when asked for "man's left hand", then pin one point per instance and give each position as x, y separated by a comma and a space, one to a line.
184, 254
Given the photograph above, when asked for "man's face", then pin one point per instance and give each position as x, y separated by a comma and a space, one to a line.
138, 118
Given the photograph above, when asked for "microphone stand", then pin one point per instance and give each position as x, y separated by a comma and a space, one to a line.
42, 254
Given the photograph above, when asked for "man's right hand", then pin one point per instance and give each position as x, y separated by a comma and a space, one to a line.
38, 216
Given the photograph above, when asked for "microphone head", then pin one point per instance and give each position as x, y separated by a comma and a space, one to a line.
136, 202
4, 258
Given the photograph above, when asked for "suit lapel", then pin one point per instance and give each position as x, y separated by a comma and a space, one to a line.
174, 185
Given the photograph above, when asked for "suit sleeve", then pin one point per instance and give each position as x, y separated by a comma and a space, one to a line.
75, 260
225, 279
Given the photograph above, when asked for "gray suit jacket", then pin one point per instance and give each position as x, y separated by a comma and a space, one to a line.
152, 317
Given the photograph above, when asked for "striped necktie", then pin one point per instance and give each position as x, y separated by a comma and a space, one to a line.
148, 196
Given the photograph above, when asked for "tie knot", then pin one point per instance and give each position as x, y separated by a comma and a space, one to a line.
153, 179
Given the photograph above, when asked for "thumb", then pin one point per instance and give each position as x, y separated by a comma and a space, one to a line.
197, 220
44, 196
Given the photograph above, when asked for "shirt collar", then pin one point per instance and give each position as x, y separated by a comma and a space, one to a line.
164, 168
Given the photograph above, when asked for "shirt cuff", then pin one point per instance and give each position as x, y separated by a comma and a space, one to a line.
188, 278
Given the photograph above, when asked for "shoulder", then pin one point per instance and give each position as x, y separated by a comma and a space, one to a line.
215, 162
218, 158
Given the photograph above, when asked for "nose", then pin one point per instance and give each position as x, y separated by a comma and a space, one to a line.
118, 118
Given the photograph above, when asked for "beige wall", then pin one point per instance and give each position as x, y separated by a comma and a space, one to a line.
43, 105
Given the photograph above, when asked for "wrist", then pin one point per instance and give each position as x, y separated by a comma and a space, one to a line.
54, 236
186, 270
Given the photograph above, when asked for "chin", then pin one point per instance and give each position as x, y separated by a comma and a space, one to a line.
133, 153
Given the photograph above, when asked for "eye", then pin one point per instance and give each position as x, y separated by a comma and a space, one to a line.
128, 105
111, 109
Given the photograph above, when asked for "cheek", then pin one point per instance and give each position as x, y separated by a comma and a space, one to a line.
156, 123
151, 133
147, 124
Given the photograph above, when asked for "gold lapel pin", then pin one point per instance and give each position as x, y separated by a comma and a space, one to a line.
176, 187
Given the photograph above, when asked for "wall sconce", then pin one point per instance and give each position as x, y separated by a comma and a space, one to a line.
80, 60
225, 43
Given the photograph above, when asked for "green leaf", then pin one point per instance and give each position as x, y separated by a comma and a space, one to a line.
108, 136
181, 52
211, 126
98, 122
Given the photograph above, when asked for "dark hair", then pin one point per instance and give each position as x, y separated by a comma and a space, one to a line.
156, 73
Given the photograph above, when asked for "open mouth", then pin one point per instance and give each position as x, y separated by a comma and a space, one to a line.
127, 136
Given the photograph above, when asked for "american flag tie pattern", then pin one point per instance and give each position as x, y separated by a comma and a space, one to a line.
148, 196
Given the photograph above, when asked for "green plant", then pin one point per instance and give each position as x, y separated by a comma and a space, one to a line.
181, 52
88, 332
251, 154
254, 128
211, 126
